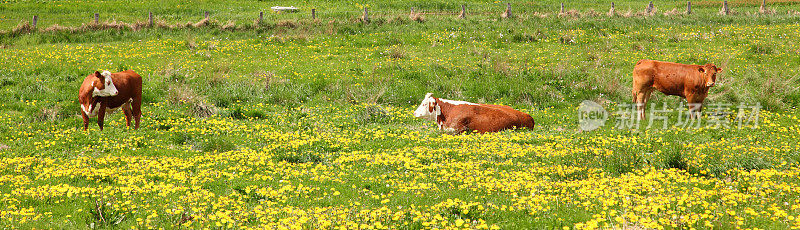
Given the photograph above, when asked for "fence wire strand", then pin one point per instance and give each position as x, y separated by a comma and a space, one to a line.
522, 9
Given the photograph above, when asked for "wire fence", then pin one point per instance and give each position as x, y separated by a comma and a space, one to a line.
249, 15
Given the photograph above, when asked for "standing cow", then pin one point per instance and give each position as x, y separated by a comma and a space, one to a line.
690, 82
106, 92
461, 116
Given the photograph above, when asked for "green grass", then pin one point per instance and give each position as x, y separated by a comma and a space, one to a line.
302, 123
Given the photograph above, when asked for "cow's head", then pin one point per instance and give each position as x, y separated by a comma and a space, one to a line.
103, 85
709, 72
428, 109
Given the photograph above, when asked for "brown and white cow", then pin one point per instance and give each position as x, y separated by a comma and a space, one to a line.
461, 116
106, 92
690, 82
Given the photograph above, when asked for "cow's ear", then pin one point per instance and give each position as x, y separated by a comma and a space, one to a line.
98, 75
719, 69
701, 69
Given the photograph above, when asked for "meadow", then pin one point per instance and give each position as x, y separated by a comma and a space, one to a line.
307, 124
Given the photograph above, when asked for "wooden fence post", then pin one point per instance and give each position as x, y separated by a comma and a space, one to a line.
314, 14
150, 19
260, 18
411, 15
562, 7
463, 13
689, 7
611, 11
96, 18
650, 8
365, 17
507, 13
35, 20
725, 9
763, 8
206, 15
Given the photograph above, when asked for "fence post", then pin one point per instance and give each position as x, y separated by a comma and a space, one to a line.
650, 8
412, 13
365, 17
507, 13
150, 19
611, 11
314, 14
689, 7
260, 18
725, 9
35, 20
206, 15
96, 18
763, 8
562, 7
463, 13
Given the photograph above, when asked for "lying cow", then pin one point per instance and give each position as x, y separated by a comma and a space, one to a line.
690, 82
461, 116
106, 92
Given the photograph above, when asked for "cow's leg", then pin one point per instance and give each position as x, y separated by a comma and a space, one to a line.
453, 129
646, 98
126, 109
468, 124
640, 98
101, 115
454, 126
642, 86
136, 110
85, 121
695, 105
693, 111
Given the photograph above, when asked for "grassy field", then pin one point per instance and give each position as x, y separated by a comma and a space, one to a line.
300, 123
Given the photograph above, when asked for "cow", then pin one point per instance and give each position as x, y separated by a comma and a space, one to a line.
690, 82
460, 116
106, 92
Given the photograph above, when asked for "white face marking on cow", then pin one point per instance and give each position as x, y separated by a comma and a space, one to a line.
424, 109
109, 90
106, 73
